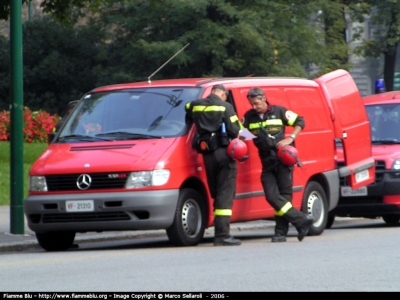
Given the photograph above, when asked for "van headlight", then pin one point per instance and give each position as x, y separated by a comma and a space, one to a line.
147, 178
395, 167
396, 164
37, 184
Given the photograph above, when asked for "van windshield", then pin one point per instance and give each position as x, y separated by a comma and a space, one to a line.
129, 114
384, 120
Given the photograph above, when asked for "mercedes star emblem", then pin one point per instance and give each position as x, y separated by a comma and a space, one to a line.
84, 181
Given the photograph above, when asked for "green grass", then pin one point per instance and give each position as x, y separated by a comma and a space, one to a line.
31, 152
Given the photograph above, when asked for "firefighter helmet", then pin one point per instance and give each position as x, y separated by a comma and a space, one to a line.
289, 155
237, 149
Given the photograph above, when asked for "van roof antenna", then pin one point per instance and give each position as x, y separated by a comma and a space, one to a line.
148, 79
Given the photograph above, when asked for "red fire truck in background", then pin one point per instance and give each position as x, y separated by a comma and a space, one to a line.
382, 197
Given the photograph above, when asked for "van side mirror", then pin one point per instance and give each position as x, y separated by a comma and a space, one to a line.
50, 137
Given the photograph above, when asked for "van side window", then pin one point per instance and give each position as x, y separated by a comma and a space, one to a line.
231, 101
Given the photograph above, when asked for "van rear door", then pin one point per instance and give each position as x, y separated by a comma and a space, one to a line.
351, 126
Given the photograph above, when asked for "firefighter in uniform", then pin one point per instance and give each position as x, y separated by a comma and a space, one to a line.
268, 123
216, 124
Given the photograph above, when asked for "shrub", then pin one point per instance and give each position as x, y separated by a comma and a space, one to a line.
4, 125
37, 125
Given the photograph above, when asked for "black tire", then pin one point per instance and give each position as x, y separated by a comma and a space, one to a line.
190, 220
391, 219
331, 219
55, 241
315, 204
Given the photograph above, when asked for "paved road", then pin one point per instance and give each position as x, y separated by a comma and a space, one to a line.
18, 242
358, 257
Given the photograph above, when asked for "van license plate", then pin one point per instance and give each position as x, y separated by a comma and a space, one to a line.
361, 176
349, 192
79, 205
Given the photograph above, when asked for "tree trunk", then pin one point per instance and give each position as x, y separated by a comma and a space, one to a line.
389, 68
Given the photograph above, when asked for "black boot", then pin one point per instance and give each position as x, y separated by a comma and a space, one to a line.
278, 238
305, 227
222, 236
229, 241
281, 229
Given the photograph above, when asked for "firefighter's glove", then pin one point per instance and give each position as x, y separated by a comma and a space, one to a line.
243, 159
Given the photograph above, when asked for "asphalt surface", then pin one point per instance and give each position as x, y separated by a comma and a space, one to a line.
10, 242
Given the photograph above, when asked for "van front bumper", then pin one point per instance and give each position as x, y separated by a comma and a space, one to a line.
139, 210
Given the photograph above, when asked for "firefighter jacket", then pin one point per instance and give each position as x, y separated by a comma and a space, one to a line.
209, 113
270, 128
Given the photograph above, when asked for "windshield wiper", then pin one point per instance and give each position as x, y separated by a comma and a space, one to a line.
125, 135
80, 137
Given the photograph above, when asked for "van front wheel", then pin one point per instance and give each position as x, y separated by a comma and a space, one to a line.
189, 221
391, 219
55, 241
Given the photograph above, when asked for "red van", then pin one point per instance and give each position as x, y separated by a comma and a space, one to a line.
382, 197
123, 159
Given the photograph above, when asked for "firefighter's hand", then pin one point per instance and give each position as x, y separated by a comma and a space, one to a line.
284, 142
243, 159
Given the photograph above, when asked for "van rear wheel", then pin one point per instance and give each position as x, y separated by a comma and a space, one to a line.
391, 219
189, 221
55, 241
331, 220
315, 204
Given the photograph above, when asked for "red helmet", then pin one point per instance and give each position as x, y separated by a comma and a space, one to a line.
237, 149
289, 155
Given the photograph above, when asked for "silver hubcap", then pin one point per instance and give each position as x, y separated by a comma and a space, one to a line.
191, 218
315, 208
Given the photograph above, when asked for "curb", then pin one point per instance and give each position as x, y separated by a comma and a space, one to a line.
16, 243
31, 243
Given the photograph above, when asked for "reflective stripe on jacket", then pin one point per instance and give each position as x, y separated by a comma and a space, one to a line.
209, 113
270, 129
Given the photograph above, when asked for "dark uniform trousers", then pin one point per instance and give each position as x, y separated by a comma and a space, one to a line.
221, 173
277, 182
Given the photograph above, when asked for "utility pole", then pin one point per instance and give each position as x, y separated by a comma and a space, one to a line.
17, 220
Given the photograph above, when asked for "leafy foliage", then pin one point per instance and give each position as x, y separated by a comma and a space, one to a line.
121, 41
260, 38
65, 11
384, 16
59, 64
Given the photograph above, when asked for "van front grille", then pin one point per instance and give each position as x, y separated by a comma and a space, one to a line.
98, 181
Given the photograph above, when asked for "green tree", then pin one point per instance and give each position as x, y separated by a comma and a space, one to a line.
66, 11
4, 73
124, 41
61, 9
227, 38
333, 21
59, 64
385, 19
